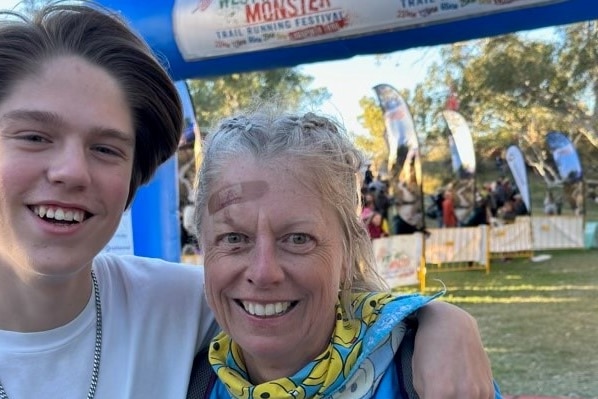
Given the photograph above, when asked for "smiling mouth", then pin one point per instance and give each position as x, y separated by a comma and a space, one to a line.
56, 214
267, 310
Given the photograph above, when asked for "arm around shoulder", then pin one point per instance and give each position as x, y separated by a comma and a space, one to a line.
449, 359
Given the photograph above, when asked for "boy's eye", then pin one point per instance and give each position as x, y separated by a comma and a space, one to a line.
105, 150
36, 138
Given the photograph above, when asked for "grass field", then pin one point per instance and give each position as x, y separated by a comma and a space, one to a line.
539, 321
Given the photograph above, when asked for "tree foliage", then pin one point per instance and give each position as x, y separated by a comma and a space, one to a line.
375, 145
514, 88
218, 97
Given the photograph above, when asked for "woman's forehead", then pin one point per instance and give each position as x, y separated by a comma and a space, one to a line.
237, 193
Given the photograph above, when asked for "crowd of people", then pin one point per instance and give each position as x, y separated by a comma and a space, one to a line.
389, 212
457, 204
496, 202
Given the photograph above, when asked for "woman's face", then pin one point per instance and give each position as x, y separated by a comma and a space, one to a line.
273, 261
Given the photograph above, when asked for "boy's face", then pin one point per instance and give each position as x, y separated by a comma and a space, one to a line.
66, 155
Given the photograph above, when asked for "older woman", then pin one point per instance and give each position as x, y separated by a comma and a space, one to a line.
289, 268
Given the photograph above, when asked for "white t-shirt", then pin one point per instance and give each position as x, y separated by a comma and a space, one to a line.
155, 318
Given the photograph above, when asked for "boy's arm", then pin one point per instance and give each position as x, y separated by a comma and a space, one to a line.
449, 360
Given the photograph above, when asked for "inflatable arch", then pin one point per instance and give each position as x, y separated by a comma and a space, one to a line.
202, 38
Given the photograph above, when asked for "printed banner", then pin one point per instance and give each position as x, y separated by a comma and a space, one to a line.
464, 166
400, 130
565, 156
568, 164
463, 142
398, 259
518, 170
403, 161
212, 28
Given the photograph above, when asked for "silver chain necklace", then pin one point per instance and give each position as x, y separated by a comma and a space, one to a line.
97, 352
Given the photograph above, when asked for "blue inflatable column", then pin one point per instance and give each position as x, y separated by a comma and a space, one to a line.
154, 214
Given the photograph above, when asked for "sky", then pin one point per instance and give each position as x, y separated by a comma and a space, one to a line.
351, 79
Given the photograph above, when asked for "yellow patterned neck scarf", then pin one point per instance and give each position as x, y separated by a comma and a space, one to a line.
324, 374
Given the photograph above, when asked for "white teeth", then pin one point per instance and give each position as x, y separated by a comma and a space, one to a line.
279, 308
59, 213
41, 211
68, 216
271, 309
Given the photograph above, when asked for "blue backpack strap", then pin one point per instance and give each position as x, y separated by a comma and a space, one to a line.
403, 362
203, 377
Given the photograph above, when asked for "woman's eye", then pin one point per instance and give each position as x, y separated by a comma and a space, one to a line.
233, 238
299, 238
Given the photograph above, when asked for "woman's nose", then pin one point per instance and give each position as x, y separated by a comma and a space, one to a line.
265, 269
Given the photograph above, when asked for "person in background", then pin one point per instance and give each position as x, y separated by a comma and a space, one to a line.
368, 176
290, 270
438, 199
549, 204
448, 209
376, 228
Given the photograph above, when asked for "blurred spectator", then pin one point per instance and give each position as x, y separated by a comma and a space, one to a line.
369, 176
376, 227
377, 185
382, 203
448, 210
519, 206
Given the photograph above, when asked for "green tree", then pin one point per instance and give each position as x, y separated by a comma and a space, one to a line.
218, 97
514, 90
375, 145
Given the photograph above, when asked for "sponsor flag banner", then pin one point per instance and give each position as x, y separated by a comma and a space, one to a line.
455, 159
403, 161
463, 141
564, 155
400, 130
212, 28
568, 164
518, 170
464, 165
